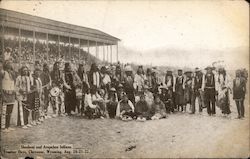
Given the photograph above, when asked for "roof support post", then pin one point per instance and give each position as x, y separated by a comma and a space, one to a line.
70, 48
19, 44
88, 51
111, 54
103, 52
107, 53
2, 38
47, 45
117, 53
34, 45
79, 51
96, 51
59, 49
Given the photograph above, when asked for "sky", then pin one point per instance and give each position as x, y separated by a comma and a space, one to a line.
175, 33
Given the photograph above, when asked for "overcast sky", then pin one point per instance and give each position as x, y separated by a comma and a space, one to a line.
203, 30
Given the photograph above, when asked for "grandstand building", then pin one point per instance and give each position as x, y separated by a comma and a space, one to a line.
34, 38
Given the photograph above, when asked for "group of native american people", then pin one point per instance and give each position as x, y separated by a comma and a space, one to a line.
113, 92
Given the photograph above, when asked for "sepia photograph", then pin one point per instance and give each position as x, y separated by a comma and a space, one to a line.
124, 79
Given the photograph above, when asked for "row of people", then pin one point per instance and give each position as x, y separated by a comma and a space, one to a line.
112, 91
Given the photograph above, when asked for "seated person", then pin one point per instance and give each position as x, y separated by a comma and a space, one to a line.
98, 99
91, 110
125, 109
142, 109
166, 98
158, 109
112, 102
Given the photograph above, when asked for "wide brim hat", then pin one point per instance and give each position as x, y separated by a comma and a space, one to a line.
120, 86
112, 89
187, 72
162, 87
209, 68
197, 69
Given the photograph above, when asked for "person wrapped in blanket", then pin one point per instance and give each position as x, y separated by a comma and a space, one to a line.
223, 91
158, 109
125, 109
142, 109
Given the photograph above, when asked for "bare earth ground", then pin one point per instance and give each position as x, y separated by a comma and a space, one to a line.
180, 135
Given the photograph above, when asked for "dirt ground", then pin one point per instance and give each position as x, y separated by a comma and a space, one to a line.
180, 135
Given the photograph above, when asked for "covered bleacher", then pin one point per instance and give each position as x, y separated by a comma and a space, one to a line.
36, 38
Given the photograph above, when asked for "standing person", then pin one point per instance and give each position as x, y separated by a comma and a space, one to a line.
34, 97
169, 82
223, 91
8, 95
139, 80
57, 84
239, 91
179, 90
46, 84
188, 89
208, 86
118, 75
105, 80
196, 88
155, 81
94, 77
149, 77
69, 89
129, 84
84, 87
23, 84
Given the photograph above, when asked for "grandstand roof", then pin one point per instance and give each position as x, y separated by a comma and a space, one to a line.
34, 23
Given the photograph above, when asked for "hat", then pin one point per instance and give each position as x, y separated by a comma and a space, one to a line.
128, 68
188, 71
162, 87
179, 70
197, 69
209, 68
120, 86
146, 87
112, 89
169, 72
